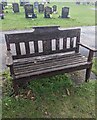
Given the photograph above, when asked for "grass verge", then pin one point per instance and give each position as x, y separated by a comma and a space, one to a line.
94, 68
53, 97
80, 15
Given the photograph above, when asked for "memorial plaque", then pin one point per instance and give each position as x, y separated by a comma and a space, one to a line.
40, 8
29, 11
47, 12
15, 7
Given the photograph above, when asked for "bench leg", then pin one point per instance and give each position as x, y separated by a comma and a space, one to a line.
88, 72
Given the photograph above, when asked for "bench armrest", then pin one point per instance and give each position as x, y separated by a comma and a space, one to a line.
91, 51
9, 59
87, 47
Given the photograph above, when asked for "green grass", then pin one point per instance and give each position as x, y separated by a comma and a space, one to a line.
49, 98
94, 68
80, 16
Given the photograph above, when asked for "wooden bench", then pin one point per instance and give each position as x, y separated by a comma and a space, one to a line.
48, 51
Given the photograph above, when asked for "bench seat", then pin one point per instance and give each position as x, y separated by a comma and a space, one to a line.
46, 64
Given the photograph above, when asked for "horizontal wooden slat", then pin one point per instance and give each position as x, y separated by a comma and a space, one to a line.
49, 63
44, 58
56, 70
63, 61
56, 64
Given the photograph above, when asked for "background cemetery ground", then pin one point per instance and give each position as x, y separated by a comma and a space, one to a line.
52, 97
81, 15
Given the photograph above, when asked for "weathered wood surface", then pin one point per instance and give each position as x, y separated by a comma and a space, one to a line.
42, 56
46, 38
36, 67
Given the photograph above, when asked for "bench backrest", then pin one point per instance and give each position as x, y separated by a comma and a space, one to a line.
43, 41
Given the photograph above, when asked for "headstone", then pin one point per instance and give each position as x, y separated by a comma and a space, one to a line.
96, 4
77, 3
1, 6
84, 3
47, 12
54, 8
36, 5
40, 8
65, 12
1, 11
23, 2
88, 3
15, 7
29, 11
4, 2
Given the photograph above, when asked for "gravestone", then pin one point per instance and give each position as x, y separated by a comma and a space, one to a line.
1, 11
96, 4
65, 12
40, 8
84, 3
88, 3
4, 2
1, 6
77, 3
47, 12
54, 8
29, 11
23, 2
36, 5
15, 7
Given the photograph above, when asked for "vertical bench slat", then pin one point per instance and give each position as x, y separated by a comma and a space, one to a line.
64, 43
71, 42
27, 47
77, 41
57, 44
36, 47
18, 50
47, 46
